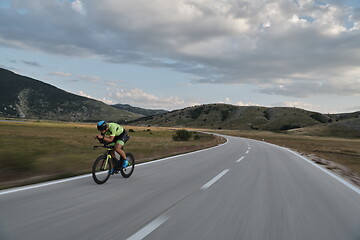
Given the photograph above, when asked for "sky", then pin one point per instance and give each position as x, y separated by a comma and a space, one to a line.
163, 54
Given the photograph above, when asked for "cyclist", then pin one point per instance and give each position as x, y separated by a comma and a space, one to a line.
115, 135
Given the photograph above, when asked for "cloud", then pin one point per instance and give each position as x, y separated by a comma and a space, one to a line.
239, 103
60, 74
246, 104
83, 94
31, 63
90, 78
78, 7
257, 42
297, 104
138, 97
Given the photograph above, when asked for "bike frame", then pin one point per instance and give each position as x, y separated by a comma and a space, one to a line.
105, 165
108, 154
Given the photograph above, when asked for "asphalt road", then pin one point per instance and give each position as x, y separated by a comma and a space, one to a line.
244, 189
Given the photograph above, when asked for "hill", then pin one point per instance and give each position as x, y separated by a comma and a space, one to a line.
141, 111
24, 97
223, 116
343, 128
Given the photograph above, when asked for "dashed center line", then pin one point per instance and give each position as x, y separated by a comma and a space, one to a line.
247, 152
145, 231
148, 228
212, 181
240, 159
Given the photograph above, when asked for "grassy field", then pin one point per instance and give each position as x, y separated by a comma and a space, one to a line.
38, 151
344, 151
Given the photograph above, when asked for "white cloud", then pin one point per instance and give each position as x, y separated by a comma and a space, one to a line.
90, 78
78, 7
104, 100
138, 97
246, 104
298, 104
245, 41
60, 74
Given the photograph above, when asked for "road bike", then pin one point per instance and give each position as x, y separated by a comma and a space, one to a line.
105, 165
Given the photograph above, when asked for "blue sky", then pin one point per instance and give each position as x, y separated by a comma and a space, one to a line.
174, 54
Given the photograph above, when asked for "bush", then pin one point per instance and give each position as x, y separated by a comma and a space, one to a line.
131, 130
224, 115
319, 117
289, 126
196, 112
182, 135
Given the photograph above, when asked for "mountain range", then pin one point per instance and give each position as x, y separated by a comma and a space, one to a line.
141, 111
24, 97
224, 116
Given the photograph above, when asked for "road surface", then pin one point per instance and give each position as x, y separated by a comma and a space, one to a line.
244, 189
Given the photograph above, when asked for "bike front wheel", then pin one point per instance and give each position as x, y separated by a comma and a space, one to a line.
126, 172
101, 169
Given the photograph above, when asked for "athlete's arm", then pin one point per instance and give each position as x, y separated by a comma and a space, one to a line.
109, 139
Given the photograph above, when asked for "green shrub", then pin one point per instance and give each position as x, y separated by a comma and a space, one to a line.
196, 112
224, 115
319, 117
182, 135
289, 126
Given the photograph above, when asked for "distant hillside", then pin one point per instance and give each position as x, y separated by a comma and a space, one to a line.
341, 128
24, 97
141, 111
223, 116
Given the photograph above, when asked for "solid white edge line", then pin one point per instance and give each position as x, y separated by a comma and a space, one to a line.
240, 159
349, 185
149, 228
38, 185
212, 181
44, 184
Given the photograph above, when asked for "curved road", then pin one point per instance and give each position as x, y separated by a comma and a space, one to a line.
244, 189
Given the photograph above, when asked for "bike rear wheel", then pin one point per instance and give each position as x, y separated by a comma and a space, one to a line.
126, 172
101, 169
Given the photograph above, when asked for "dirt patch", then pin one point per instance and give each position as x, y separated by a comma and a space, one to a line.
337, 168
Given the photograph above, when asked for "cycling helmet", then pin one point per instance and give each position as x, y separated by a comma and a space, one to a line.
102, 125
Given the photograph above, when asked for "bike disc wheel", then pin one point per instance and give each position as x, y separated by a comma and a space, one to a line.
126, 172
101, 169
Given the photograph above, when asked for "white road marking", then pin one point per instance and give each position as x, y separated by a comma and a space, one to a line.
148, 228
33, 186
247, 152
352, 187
212, 181
240, 159
12, 190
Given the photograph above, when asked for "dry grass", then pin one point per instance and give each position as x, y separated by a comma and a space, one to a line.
38, 151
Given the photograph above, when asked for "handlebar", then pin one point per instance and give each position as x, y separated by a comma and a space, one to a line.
105, 145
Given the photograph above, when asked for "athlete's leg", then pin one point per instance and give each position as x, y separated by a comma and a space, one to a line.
119, 149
